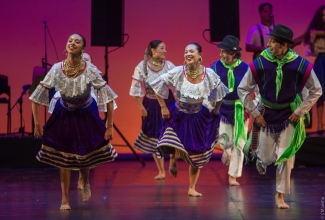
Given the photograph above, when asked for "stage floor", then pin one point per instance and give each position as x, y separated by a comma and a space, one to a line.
126, 190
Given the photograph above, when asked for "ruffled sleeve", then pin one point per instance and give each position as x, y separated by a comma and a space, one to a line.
54, 99
136, 84
160, 85
217, 88
41, 93
103, 93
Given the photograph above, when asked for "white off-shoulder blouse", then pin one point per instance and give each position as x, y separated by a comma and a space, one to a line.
210, 87
71, 88
140, 77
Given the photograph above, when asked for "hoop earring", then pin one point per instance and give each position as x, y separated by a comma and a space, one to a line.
65, 52
184, 62
200, 60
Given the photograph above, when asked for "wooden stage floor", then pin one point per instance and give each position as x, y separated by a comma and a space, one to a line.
126, 190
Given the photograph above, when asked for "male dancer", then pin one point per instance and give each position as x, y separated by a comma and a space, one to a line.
233, 126
280, 74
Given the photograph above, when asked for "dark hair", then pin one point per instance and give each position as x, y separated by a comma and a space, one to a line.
261, 7
89, 56
236, 53
198, 46
280, 40
83, 39
153, 45
316, 23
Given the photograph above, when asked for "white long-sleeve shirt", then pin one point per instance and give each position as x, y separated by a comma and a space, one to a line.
248, 84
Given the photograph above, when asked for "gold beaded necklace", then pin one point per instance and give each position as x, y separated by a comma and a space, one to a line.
155, 63
68, 72
72, 67
193, 73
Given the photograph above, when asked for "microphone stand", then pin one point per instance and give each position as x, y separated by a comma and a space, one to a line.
105, 77
45, 64
20, 101
44, 60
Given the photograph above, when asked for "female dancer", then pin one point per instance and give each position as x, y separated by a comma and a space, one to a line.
74, 136
145, 73
190, 130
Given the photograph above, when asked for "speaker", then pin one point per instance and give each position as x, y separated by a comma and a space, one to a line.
107, 22
224, 19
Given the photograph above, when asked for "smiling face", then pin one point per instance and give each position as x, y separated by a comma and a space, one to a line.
160, 52
75, 44
276, 48
192, 55
228, 57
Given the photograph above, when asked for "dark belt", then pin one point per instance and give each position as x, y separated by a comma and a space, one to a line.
189, 108
229, 102
75, 104
272, 105
150, 91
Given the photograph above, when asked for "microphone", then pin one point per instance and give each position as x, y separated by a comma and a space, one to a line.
25, 88
44, 21
272, 16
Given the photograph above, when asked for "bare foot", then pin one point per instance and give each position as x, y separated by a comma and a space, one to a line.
279, 201
86, 193
65, 202
80, 184
173, 166
192, 192
232, 181
160, 177
65, 207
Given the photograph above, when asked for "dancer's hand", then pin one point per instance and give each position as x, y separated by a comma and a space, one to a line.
38, 131
144, 113
259, 120
294, 117
215, 111
109, 133
165, 112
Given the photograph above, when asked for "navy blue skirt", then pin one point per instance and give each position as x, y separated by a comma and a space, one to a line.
151, 125
75, 139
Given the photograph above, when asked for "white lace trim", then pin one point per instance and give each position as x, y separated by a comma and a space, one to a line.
210, 87
40, 95
139, 77
71, 87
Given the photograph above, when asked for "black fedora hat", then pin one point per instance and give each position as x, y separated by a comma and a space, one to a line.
283, 32
230, 42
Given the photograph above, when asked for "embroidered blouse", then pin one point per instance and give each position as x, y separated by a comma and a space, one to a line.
72, 88
140, 77
210, 86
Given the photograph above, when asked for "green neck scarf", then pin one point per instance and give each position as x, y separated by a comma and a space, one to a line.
230, 74
289, 57
239, 127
